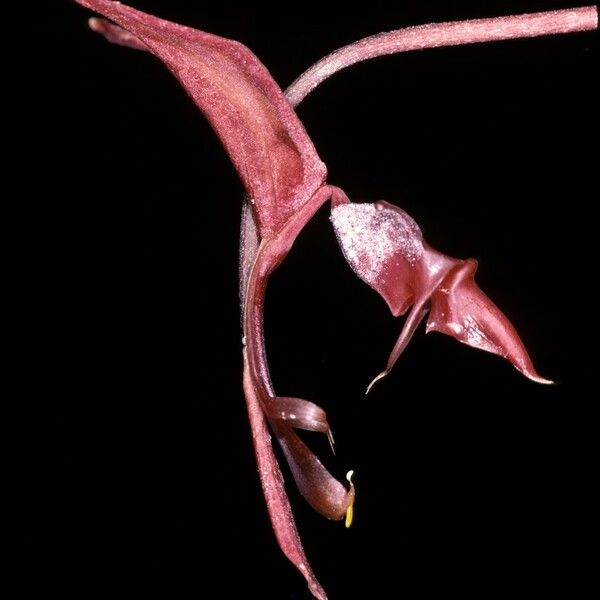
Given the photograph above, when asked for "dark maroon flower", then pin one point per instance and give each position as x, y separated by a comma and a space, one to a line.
285, 184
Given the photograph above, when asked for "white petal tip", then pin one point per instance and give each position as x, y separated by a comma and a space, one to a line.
533, 376
96, 24
541, 380
380, 376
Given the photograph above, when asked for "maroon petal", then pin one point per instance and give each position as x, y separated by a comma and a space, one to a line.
299, 414
276, 498
264, 138
319, 488
460, 309
416, 315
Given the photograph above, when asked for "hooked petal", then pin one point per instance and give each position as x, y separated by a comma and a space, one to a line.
299, 414
416, 315
264, 138
319, 488
460, 309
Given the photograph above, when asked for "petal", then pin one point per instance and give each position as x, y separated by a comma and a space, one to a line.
264, 138
416, 315
459, 308
299, 414
276, 498
319, 488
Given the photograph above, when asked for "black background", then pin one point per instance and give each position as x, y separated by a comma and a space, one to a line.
138, 475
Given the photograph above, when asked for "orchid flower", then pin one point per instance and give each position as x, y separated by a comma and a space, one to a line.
285, 183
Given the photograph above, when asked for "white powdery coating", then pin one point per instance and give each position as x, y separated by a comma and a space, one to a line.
371, 234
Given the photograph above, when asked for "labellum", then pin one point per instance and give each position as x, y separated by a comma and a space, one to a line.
386, 249
285, 183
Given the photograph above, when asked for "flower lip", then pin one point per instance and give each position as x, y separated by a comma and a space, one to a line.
407, 272
459, 308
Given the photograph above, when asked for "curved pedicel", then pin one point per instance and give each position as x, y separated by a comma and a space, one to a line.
438, 35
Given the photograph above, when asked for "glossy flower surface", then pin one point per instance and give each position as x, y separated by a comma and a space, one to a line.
385, 248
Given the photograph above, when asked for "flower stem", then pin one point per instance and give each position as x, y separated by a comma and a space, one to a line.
435, 35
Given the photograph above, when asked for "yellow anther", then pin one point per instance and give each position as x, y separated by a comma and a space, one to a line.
349, 515
350, 509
